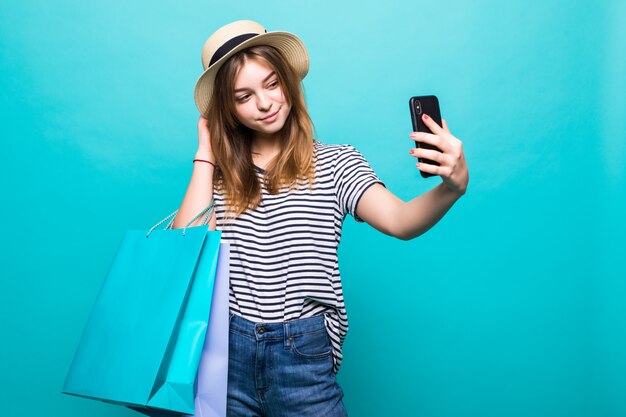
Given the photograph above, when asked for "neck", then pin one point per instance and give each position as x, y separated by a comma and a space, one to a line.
264, 148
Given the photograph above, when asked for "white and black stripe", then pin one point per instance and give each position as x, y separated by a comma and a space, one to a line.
284, 262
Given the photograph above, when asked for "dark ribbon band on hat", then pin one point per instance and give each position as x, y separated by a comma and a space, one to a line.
230, 45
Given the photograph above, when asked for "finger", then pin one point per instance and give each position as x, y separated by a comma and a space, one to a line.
432, 125
423, 137
435, 140
428, 168
445, 125
429, 154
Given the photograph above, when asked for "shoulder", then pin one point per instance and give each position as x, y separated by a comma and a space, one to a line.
330, 152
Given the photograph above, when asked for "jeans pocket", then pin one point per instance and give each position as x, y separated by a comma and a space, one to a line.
313, 345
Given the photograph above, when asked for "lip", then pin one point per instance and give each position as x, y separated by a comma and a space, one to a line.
271, 117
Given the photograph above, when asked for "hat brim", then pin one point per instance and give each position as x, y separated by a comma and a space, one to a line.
290, 46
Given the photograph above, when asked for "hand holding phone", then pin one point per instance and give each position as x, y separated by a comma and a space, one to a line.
441, 145
429, 105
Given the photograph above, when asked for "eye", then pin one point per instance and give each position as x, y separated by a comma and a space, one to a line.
273, 84
242, 99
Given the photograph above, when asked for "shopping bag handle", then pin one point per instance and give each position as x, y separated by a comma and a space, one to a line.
206, 212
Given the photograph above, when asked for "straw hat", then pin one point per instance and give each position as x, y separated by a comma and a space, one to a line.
236, 36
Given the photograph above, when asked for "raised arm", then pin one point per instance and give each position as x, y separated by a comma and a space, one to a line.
406, 220
200, 190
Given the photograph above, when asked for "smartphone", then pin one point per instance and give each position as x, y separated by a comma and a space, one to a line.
429, 105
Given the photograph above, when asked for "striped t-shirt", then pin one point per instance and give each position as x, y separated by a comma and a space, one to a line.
283, 263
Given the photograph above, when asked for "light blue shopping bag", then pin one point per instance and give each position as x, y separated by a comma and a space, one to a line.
143, 341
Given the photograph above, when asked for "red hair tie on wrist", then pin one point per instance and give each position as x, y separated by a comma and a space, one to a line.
204, 160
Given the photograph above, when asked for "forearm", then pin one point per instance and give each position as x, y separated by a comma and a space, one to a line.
199, 192
418, 215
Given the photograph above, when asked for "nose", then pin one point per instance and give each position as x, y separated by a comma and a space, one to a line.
263, 102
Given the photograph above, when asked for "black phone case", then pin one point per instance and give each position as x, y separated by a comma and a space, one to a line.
429, 105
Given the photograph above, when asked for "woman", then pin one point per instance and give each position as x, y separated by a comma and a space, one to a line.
280, 200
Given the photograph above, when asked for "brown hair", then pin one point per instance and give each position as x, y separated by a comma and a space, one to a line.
231, 140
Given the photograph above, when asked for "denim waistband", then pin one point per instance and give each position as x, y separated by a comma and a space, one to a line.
278, 330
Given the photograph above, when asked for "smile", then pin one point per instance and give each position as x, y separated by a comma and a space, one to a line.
271, 117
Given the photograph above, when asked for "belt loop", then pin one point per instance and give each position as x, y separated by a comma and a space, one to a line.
287, 337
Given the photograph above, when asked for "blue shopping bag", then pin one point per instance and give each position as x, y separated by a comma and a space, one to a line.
212, 378
143, 341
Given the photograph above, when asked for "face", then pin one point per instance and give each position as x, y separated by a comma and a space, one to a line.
259, 100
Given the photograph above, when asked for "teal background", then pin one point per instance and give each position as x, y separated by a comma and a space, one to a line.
513, 305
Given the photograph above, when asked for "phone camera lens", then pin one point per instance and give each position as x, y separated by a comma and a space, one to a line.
418, 107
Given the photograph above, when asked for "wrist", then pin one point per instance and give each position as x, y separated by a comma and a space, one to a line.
452, 193
204, 154
206, 162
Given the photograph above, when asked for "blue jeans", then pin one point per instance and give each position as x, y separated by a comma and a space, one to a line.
281, 370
